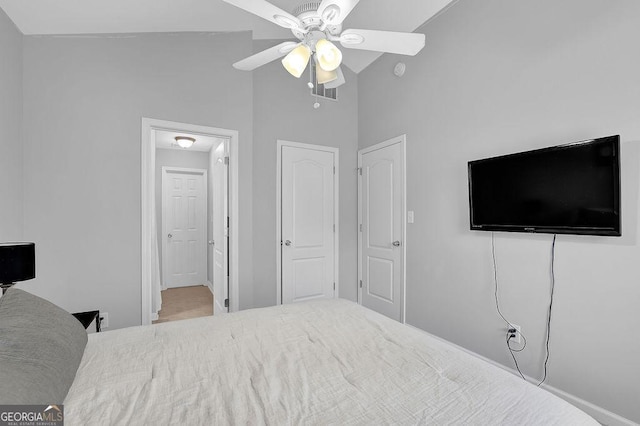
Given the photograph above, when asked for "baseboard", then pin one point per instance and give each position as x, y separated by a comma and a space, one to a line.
219, 309
210, 285
602, 415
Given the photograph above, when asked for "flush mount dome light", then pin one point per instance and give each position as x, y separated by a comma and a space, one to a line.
185, 141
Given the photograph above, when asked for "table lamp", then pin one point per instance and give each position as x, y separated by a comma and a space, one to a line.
17, 263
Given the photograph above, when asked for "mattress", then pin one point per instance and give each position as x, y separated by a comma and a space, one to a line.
322, 362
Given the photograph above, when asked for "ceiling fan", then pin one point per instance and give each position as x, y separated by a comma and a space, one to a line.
317, 25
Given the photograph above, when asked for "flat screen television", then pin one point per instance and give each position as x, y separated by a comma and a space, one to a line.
566, 189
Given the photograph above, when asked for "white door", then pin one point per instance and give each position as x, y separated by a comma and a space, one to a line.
307, 229
220, 229
381, 200
184, 255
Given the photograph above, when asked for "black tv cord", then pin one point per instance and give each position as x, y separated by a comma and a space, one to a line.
553, 285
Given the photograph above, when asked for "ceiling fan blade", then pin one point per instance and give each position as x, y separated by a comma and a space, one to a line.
337, 82
335, 11
266, 56
383, 41
266, 10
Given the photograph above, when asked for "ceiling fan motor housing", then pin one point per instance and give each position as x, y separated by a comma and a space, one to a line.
305, 7
307, 13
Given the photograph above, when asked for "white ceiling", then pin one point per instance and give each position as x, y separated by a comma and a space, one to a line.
166, 140
51, 17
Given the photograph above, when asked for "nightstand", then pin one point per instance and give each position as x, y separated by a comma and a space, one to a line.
86, 318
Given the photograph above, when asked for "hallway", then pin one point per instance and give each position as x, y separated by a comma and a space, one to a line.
185, 302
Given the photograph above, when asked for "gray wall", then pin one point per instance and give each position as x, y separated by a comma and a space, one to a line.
10, 130
504, 76
185, 159
283, 109
83, 101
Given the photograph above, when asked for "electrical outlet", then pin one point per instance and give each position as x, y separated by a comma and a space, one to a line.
104, 319
518, 335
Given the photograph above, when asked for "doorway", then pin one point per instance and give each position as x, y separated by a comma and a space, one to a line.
382, 231
151, 283
307, 222
184, 227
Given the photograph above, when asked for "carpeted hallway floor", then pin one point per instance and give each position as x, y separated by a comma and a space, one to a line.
185, 302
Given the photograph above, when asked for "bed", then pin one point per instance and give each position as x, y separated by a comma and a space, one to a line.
321, 362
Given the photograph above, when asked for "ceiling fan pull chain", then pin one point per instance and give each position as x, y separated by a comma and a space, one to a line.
316, 105
311, 83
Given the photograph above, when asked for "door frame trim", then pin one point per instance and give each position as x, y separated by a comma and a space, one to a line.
148, 184
336, 212
402, 140
163, 175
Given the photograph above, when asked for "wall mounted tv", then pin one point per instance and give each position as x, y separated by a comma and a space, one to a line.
566, 189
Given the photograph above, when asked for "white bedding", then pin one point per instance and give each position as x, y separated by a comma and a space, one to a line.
326, 362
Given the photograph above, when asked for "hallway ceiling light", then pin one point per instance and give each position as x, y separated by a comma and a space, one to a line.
185, 141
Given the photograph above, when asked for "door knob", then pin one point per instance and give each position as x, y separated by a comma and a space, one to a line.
212, 243
396, 243
170, 235
287, 243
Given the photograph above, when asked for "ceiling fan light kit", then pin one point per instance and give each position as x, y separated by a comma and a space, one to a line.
322, 75
296, 61
316, 25
329, 56
339, 81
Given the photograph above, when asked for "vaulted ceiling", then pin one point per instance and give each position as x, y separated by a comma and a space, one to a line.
56, 17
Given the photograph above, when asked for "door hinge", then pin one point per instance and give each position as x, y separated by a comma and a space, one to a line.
226, 161
360, 171
334, 170
360, 283
334, 287
334, 227
226, 303
360, 227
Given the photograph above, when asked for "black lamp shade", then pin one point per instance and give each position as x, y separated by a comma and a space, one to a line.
17, 262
